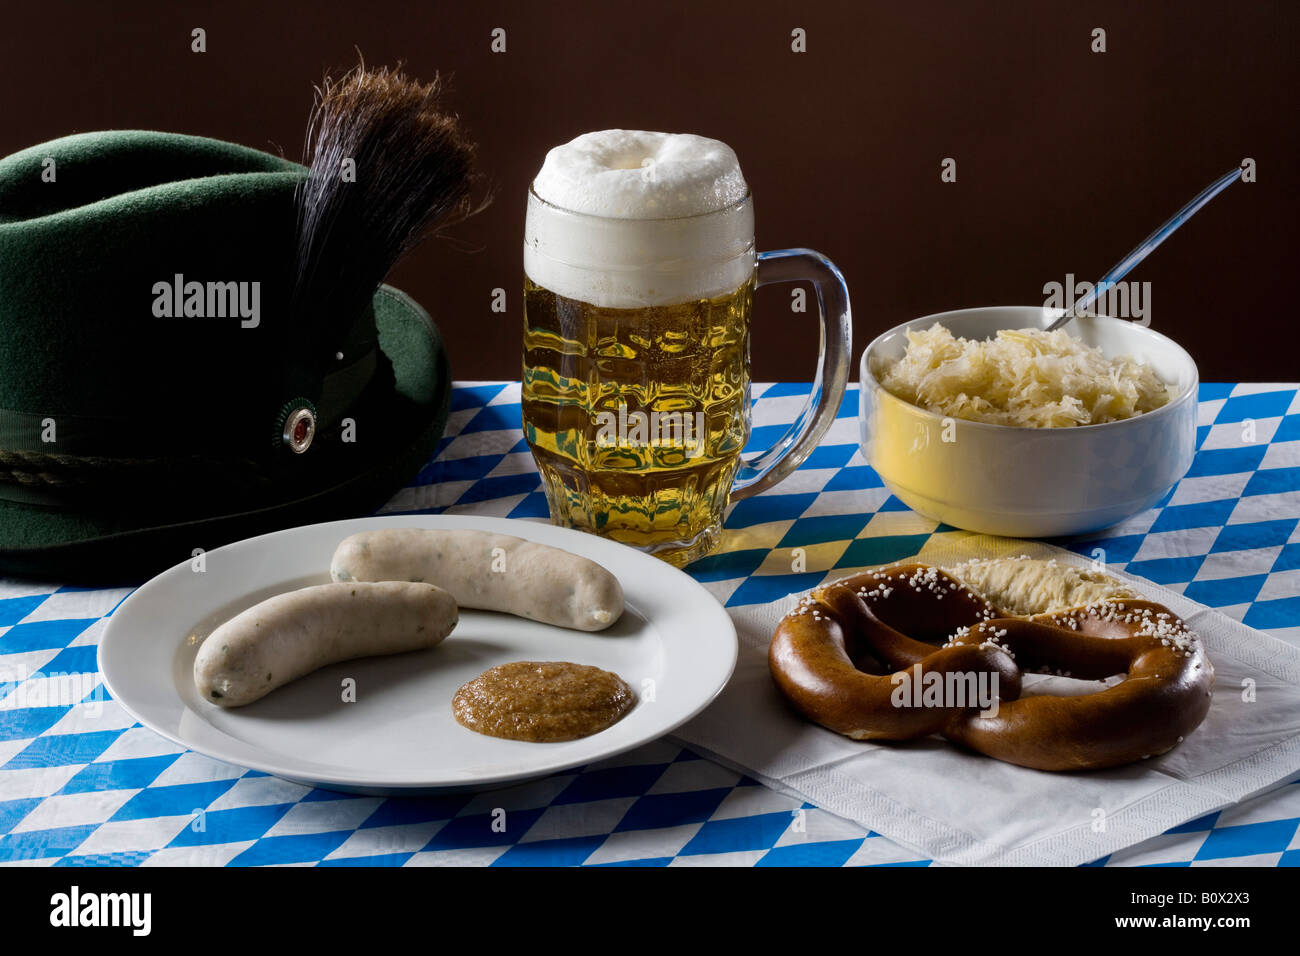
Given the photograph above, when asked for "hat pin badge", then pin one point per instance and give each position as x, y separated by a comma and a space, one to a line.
298, 426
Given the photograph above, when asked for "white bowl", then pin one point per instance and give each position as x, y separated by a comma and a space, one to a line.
1029, 482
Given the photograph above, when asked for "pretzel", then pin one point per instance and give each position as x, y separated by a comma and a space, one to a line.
843, 654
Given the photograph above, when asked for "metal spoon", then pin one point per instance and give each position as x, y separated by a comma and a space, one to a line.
1121, 269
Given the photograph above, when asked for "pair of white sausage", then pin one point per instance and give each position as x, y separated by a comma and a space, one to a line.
399, 590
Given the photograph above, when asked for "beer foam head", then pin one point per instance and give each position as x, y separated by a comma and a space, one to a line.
632, 174
630, 219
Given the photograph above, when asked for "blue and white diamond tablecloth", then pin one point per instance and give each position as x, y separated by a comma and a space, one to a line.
82, 783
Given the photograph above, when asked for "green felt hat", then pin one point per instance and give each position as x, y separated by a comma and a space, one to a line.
157, 395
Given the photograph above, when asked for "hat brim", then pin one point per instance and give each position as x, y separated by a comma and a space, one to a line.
109, 546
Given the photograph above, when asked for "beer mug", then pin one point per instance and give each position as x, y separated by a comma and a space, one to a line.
639, 275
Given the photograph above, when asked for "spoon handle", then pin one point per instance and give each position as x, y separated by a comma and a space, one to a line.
1144, 249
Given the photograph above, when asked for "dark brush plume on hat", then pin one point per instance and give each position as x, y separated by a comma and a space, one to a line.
414, 172
172, 434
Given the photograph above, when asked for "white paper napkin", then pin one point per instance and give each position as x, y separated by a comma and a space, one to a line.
959, 808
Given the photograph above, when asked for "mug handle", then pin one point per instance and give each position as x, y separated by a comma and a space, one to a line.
793, 265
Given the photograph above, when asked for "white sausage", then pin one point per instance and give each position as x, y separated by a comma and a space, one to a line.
292, 634
495, 572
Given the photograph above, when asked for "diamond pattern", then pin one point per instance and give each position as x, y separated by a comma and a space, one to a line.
77, 794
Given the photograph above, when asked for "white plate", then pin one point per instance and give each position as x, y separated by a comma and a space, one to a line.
674, 645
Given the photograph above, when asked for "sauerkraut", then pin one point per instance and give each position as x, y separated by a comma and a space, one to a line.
1025, 377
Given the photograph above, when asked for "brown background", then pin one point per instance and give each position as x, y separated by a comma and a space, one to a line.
1065, 158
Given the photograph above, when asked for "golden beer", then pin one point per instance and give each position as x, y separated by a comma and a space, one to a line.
637, 417
639, 277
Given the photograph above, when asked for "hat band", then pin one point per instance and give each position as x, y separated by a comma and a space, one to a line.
54, 479
47, 459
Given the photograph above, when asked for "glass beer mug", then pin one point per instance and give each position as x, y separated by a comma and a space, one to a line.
640, 272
